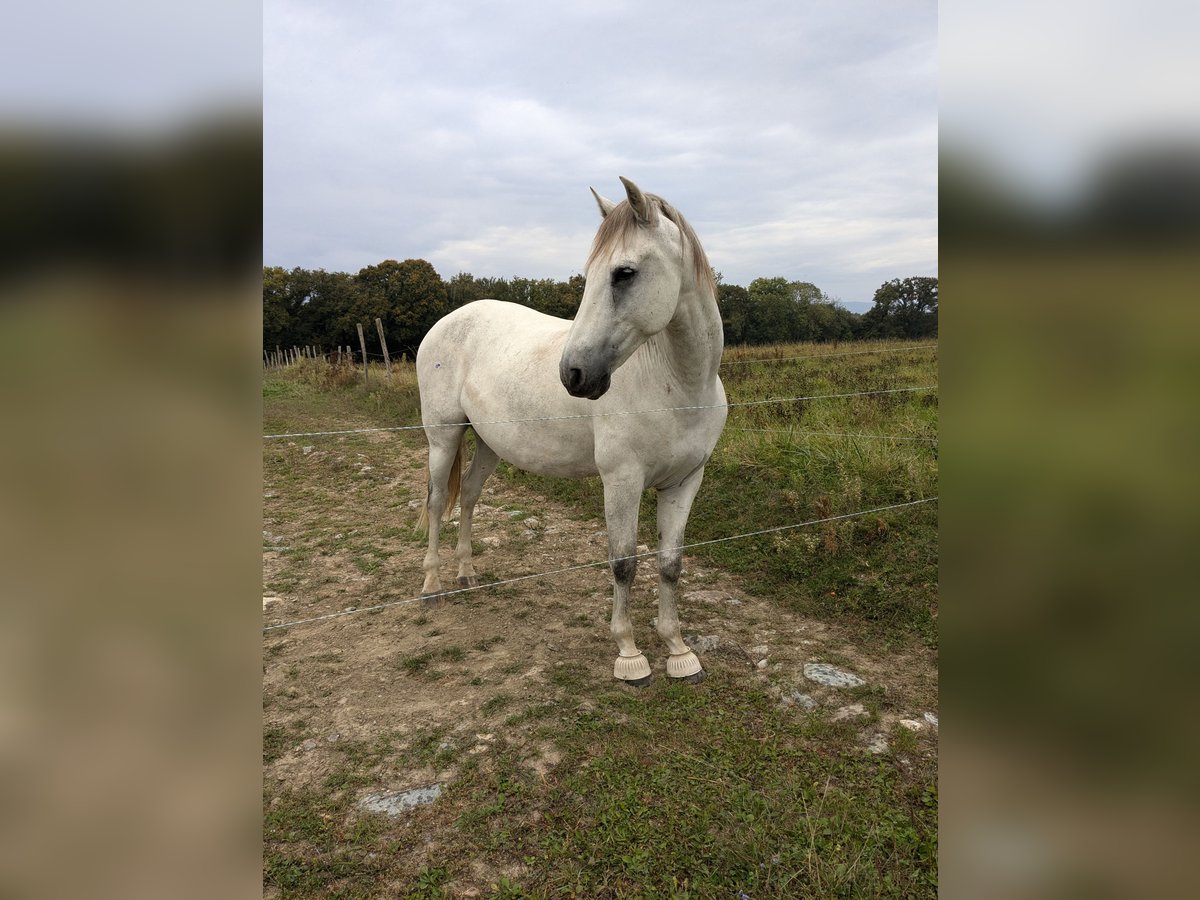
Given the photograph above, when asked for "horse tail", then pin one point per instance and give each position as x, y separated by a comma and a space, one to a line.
453, 487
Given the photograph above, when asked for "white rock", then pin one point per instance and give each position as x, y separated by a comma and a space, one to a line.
912, 724
931, 719
393, 804
853, 711
800, 699
823, 673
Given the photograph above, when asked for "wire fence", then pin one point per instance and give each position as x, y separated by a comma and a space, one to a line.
631, 412
607, 562
592, 565
349, 357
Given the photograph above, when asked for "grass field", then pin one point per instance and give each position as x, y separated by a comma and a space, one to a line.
566, 783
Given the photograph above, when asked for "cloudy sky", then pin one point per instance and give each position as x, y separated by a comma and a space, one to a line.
799, 138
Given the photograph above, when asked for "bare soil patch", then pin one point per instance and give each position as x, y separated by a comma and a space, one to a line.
444, 685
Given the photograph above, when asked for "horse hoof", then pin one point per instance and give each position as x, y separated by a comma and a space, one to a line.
429, 601
695, 678
468, 582
639, 682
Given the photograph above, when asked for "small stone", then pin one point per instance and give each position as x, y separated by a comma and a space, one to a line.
760, 650
703, 643
532, 522
877, 744
853, 711
334, 738
912, 724
309, 745
801, 700
393, 804
307, 450
823, 673
931, 719
761, 664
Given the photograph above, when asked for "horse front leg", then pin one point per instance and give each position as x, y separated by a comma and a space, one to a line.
622, 496
674, 505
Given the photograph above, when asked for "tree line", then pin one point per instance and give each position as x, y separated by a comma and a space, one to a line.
302, 307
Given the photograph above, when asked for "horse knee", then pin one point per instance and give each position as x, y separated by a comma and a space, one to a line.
670, 565
624, 568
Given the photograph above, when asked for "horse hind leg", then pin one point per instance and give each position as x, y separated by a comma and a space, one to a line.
483, 464
445, 447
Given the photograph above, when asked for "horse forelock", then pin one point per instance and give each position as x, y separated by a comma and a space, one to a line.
622, 222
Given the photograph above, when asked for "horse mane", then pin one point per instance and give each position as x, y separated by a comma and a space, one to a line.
621, 222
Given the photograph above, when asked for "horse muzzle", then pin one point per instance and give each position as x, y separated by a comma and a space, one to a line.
589, 382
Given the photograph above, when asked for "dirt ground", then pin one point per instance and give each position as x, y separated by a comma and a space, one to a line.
338, 534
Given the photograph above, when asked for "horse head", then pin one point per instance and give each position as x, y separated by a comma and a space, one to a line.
635, 273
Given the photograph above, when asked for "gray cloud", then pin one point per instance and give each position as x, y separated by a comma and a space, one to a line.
799, 138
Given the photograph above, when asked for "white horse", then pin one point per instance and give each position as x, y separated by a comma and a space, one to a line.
555, 397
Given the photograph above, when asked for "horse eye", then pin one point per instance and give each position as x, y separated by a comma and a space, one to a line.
623, 274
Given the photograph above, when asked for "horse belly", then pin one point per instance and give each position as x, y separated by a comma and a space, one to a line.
542, 448
529, 426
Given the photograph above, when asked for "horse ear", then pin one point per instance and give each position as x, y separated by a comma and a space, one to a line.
606, 205
642, 210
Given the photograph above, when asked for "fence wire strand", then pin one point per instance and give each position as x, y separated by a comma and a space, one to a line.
634, 412
592, 565
791, 432
771, 359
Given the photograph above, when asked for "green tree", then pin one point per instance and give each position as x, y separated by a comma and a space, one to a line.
905, 308
774, 316
277, 314
408, 296
321, 312
463, 288
735, 304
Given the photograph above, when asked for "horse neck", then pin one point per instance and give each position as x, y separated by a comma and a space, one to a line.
692, 342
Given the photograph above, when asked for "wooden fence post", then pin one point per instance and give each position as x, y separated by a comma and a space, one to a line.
387, 361
362, 342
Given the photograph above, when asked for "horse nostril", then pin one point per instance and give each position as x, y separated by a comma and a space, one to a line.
574, 378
